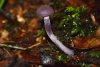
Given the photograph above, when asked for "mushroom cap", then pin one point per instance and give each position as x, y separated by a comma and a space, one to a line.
44, 11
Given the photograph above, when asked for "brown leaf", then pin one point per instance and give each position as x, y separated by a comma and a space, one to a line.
11, 2
31, 58
97, 34
3, 63
93, 65
33, 24
85, 43
91, 2
75, 2
4, 36
94, 20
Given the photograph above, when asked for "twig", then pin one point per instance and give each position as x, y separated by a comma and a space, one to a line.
34, 45
7, 52
10, 46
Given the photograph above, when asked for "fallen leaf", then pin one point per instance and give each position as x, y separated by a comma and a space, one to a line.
75, 2
3, 63
33, 25
31, 58
94, 20
85, 43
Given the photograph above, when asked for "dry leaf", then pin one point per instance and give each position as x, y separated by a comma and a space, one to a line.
3, 63
33, 25
4, 36
94, 20
31, 58
75, 2
11, 2
85, 43
97, 34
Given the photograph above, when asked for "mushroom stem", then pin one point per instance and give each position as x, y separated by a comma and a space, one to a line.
54, 38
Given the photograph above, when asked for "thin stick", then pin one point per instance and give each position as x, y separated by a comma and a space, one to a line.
10, 46
7, 52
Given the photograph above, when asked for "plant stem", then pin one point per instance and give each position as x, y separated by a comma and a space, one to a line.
54, 38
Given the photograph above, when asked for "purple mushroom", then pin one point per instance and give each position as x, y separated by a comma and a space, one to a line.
45, 11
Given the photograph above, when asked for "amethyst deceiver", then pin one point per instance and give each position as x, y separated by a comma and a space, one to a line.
45, 11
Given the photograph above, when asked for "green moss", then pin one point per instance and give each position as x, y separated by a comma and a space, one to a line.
70, 23
62, 57
95, 54
41, 32
1, 3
